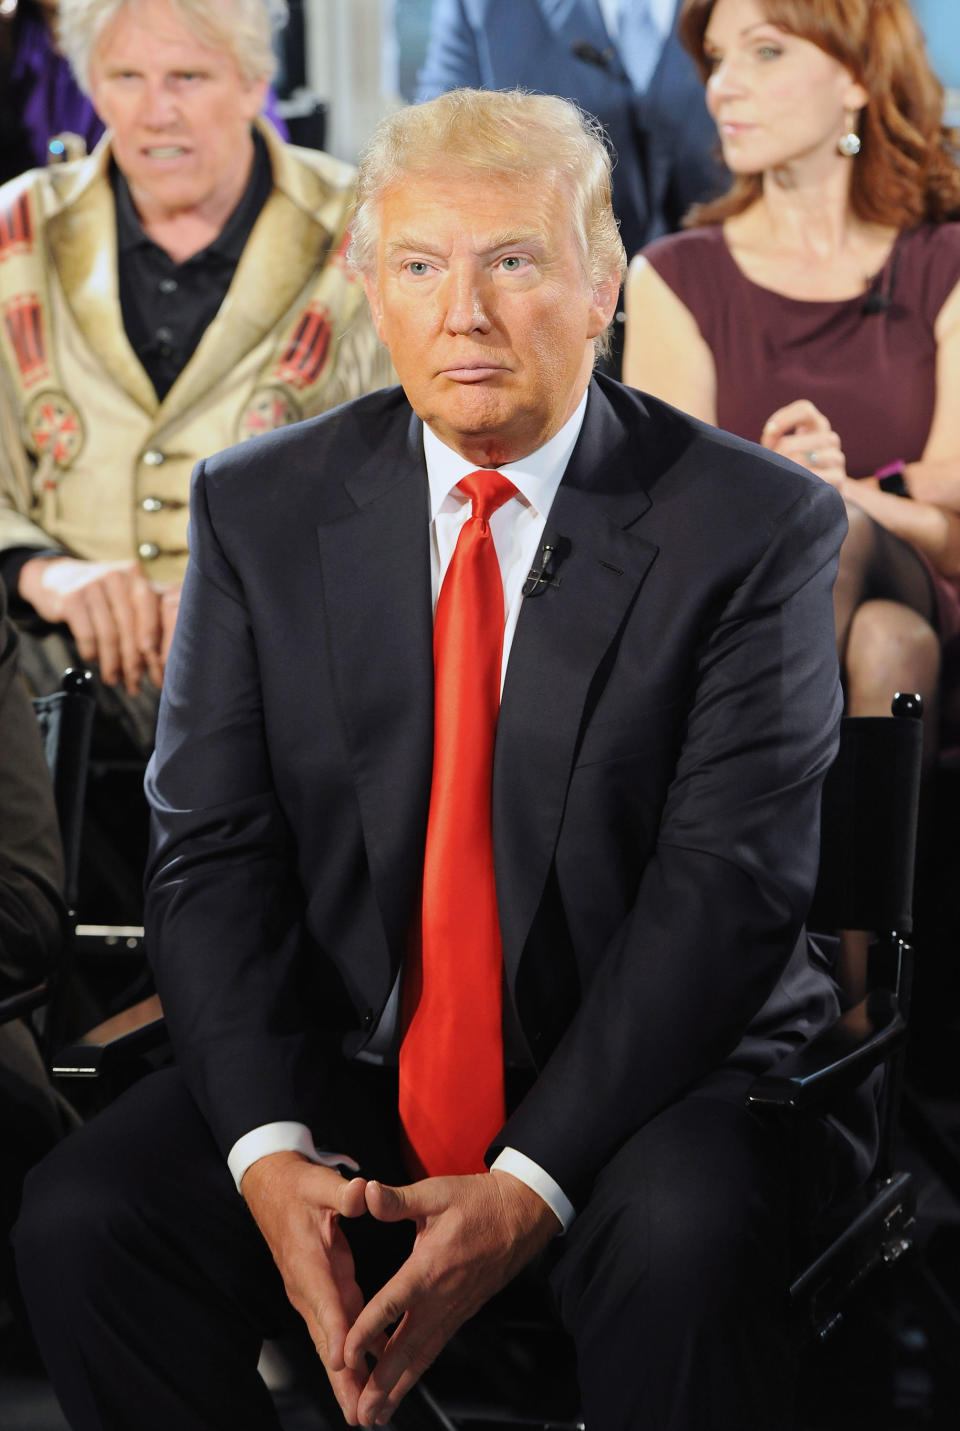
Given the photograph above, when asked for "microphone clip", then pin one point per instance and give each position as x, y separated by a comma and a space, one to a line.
543, 572
875, 303
591, 55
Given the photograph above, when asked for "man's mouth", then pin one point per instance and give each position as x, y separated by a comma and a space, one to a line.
165, 151
472, 372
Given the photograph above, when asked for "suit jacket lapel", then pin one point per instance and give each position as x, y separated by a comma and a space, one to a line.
261, 289
669, 79
83, 243
561, 638
376, 586
83, 246
573, 20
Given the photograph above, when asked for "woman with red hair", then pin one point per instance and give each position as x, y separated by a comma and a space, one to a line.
815, 307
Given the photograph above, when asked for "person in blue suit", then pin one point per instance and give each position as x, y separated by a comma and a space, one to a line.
656, 121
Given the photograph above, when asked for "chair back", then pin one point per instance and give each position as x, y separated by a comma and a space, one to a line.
65, 719
869, 824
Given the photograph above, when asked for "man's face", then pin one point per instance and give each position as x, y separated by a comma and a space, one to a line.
480, 296
180, 112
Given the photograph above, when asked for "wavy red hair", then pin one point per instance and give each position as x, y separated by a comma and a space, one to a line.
906, 172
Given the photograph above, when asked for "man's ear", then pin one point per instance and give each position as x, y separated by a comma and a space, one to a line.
255, 97
604, 305
372, 291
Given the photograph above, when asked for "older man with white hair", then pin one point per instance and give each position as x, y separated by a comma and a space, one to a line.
179, 290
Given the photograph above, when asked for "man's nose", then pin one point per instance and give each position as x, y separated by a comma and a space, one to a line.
467, 305
158, 107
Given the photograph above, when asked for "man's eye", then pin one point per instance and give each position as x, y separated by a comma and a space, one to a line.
769, 52
418, 267
513, 262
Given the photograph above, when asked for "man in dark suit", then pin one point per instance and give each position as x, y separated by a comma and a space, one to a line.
663, 137
656, 598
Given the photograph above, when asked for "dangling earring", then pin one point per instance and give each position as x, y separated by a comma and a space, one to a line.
849, 143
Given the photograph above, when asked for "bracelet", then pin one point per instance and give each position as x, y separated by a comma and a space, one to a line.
891, 478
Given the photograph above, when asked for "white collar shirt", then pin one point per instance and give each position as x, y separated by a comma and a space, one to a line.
660, 16
516, 527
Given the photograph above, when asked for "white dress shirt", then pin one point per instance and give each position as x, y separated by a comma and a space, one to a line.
648, 26
517, 528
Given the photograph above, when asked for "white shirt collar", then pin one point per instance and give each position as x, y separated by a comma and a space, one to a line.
661, 12
536, 477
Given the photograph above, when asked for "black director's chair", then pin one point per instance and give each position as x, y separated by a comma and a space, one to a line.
65, 721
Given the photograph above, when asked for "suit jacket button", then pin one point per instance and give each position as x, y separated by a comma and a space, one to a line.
148, 551
368, 1019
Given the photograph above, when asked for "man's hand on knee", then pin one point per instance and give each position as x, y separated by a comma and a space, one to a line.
298, 1207
113, 611
473, 1235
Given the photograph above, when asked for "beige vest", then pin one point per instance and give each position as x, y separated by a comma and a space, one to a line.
90, 461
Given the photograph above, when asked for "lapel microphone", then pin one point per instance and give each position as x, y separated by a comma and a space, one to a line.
583, 50
543, 572
875, 303
881, 300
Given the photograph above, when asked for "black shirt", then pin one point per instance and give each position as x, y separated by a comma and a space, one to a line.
168, 306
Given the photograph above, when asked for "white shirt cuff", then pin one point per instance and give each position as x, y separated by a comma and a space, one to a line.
296, 1138
509, 1160
281, 1138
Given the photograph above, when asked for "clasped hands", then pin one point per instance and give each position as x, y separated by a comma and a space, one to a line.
118, 618
801, 432
473, 1234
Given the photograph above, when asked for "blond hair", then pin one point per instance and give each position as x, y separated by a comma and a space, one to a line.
241, 28
495, 133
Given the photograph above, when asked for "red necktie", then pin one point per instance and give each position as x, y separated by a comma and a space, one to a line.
451, 1056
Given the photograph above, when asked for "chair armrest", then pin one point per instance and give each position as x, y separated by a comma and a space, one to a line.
838, 1058
14, 1006
135, 1031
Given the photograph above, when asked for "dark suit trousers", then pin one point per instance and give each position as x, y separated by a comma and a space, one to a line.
150, 1288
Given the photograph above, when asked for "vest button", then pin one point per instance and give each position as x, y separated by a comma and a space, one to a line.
153, 458
152, 504
148, 551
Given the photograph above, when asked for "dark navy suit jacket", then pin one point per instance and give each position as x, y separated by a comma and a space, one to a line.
669, 710
665, 142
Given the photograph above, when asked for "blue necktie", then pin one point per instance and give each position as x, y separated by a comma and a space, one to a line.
640, 42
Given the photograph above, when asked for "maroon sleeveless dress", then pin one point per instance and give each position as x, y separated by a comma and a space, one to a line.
872, 374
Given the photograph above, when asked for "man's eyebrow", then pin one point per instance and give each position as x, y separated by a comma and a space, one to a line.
493, 243
402, 243
513, 238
